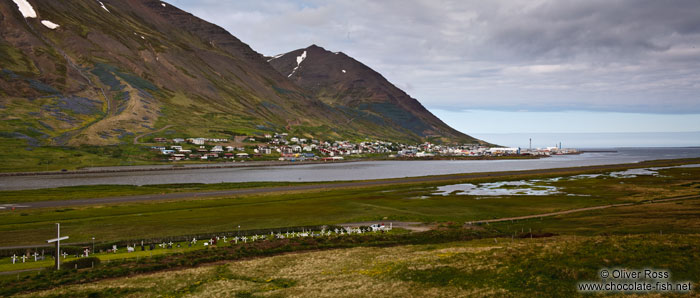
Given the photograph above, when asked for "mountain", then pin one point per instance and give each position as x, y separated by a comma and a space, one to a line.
346, 84
104, 72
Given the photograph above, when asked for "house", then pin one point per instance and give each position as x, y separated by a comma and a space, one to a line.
185, 151
294, 140
217, 149
160, 140
178, 140
229, 148
242, 155
178, 148
177, 156
196, 141
228, 155
498, 151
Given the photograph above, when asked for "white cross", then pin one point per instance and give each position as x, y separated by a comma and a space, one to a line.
194, 240
235, 239
35, 255
23, 258
114, 248
224, 238
170, 243
58, 244
245, 239
64, 254
87, 252
14, 258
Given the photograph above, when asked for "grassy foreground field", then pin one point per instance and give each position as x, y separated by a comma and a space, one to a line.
487, 267
497, 259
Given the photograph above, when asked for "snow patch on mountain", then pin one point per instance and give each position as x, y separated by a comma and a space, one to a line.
103, 6
300, 59
25, 8
275, 57
49, 24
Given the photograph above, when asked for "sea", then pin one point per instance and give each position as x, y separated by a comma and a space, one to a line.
345, 171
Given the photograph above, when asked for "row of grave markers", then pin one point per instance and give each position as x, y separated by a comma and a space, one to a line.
213, 241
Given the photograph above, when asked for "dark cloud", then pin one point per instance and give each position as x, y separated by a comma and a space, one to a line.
610, 55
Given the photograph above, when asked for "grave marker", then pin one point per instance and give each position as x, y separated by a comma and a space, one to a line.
57, 240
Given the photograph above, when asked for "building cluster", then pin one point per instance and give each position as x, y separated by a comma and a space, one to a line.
548, 151
285, 148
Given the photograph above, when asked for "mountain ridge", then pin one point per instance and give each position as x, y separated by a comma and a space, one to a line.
341, 81
111, 70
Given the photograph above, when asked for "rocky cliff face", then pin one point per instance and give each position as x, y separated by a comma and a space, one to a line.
102, 72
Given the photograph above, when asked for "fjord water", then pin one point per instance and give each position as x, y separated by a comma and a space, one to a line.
345, 171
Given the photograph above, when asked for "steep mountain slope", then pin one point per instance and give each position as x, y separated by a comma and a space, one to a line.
102, 72
114, 69
347, 84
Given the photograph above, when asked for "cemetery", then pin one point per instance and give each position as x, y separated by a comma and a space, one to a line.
41, 258
155, 257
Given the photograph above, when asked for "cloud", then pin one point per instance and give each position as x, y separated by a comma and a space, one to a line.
608, 55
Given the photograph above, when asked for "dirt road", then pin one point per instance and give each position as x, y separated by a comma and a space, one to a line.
579, 210
137, 139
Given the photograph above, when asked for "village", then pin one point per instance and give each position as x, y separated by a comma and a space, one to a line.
282, 147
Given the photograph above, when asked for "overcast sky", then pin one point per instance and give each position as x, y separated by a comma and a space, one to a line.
531, 57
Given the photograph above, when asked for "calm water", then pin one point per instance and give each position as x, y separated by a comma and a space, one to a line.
345, 171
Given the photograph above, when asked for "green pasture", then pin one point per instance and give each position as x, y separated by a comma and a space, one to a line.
134, 221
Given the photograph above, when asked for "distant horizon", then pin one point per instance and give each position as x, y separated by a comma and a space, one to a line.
595, 139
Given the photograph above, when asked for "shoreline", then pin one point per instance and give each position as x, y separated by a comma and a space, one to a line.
352, 184
247, 164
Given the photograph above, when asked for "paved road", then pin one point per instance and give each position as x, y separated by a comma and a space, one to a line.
325, 186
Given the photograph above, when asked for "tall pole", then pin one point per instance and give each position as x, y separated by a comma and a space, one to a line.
530, 144
93, 245
58, 246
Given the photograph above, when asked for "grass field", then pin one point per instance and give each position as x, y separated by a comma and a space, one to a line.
101, 191
488, 267
643, 235
405, 202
